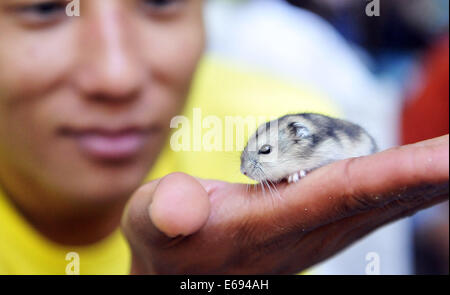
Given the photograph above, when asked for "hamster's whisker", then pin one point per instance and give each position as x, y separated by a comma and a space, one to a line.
264, 181
275, 188
268, 187
272, 189
259, 173
263, 189
246, 188
276, 191
273, 192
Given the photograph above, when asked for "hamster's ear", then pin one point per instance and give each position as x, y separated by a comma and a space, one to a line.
299, 130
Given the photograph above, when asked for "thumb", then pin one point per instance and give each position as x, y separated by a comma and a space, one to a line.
176, 205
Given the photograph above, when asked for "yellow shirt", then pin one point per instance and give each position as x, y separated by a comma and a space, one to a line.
220, 89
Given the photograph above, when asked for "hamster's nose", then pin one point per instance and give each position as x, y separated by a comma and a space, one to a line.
243, 171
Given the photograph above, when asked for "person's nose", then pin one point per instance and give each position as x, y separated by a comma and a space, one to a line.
109, 67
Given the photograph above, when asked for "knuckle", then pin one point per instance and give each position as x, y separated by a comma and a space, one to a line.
356, 200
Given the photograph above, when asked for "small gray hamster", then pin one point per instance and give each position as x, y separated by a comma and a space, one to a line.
293, 145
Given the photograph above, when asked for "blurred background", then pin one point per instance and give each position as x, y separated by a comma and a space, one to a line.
389, 73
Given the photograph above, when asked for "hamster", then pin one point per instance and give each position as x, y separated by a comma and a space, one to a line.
293, 145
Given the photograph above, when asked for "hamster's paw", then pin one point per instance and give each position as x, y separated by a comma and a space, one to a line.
295, 177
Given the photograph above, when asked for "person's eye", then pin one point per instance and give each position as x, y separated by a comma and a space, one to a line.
43, 13
265, 149
162, 7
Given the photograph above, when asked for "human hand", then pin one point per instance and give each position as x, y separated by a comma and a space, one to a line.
183, 225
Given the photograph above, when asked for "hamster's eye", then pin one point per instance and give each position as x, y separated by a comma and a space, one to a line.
265, 149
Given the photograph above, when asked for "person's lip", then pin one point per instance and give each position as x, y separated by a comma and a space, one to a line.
109, 144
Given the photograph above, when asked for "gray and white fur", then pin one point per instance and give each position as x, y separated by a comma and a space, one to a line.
293, 145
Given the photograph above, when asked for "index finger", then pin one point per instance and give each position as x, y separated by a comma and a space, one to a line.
351, 186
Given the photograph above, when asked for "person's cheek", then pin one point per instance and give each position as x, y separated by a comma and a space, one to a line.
33, 67
172, 52
32, 63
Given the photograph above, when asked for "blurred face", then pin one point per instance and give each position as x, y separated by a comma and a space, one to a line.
85, 102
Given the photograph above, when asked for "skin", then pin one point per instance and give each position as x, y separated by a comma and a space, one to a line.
121, 64
254, 233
